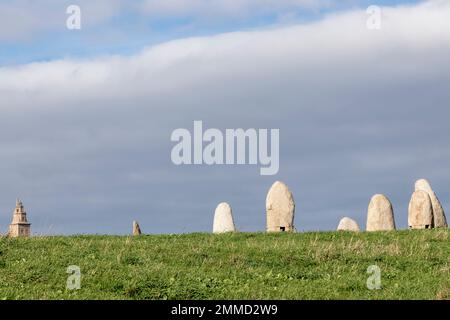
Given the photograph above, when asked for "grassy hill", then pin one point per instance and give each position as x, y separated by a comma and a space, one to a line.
315, 265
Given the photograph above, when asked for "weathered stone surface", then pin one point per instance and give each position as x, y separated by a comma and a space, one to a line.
423, 184
136, 229
223, 219
19, 226
420, 211
347, 224
439, 219
380, 215
280, 208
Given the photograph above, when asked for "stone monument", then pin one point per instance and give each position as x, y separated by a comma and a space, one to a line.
347, 224
136, 229
223, 219
280, 208
19, 226
439, 219
380, 215
420, 211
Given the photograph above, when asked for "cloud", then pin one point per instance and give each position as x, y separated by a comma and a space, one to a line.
227, 8
24, 20
86, 143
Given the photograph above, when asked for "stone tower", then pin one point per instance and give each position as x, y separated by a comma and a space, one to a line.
19, 226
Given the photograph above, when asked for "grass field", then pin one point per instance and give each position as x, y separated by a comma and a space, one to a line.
315, 265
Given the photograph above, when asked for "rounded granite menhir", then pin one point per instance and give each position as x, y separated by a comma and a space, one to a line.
380, 215
348, 224
439, 218
280, 208
223, 219
420, 211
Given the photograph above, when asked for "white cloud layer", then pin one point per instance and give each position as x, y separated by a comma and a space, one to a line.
22, 19
227, 8
360, 112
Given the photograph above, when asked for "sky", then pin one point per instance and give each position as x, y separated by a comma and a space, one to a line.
87, 115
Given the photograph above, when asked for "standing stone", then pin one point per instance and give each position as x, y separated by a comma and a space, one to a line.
347, 224
223, 219
439, 219
380, 215
19, 226
420, 211
280, 208
136, 229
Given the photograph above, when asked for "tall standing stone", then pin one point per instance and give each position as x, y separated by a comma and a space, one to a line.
223, 219
136, 229
348, 224
439, 219
420, 211
380, 215
280, 208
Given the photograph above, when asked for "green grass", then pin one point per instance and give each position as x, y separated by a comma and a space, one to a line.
315, 265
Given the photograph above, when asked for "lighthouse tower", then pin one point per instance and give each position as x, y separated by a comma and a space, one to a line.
19, 226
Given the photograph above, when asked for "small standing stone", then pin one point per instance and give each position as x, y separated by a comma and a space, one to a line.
136, 229
439, 219
420, 211
223, 219
380, 215
347, 224
280, 208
